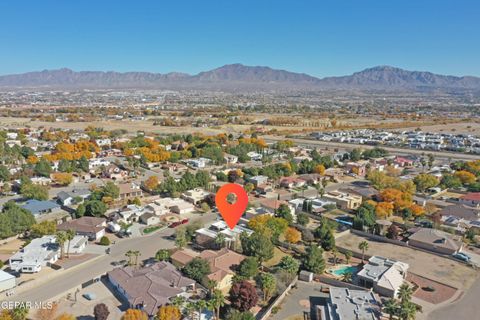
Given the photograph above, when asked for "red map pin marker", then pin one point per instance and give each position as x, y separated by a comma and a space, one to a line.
231, 213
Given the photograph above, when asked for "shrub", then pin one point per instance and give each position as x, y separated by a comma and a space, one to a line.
104, 241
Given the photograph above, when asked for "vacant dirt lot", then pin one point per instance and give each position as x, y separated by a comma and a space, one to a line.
460, 127
429, 265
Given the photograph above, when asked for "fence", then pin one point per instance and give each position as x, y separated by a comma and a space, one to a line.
276, 302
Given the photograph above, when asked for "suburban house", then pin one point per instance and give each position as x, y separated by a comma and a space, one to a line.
384, 275
230, 158
157, 209
349, 304
38, 253
37, 207
311, 178
434, 240
471, 199
68, 198
175, 205
344, 201
150, 218
205, 237
195, 196
258, 180
150, 287
222, 263
92, 227
460, 217
7, 281
292, 182
130, 213
359, 168
130, 190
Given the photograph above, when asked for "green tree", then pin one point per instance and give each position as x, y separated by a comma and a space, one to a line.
104, 241
425, 181
43, 228
238, 315
348, 256
92, 208
390, 307
61, 238
283, 211
34, 191
328, 241
14, 220
217, 300
70, 234
43, 168
4, 173
313, 260
162, 255
197, 269
181, 238
267, 284
302, 219
347, 277
363, 246
248, 268
289, 265
83, 164
257, 245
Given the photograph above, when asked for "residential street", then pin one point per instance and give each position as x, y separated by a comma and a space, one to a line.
148, 245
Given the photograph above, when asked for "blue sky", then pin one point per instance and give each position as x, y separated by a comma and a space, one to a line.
321, 38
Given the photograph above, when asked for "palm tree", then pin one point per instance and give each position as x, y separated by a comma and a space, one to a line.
200, 306
178, 301
61, 237
136, 253
220, 241
70, 235
334, 252
390, 307
348, 256
407, 311
211, 285
19, 313
405, 292
347, 277
190, 308
217, 300
364, 247
129, 255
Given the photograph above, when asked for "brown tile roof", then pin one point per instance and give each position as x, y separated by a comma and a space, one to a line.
151, 286
83, 224
436, 237
184, 256
221, 262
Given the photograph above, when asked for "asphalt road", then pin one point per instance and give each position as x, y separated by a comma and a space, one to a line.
68, 279
464, 309
399, 151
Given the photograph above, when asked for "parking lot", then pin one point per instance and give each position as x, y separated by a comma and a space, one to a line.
426, 264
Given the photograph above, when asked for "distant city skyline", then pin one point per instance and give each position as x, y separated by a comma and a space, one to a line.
320, 39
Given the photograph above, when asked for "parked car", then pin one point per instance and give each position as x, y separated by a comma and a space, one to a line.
175, 224
461, 256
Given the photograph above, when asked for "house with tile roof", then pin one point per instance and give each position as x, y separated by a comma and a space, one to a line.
435, 240
222, 264
150, 287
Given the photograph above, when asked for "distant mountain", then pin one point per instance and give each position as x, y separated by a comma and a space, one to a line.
241, 77
387, 77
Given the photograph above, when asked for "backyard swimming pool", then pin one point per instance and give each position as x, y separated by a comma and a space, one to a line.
341, 270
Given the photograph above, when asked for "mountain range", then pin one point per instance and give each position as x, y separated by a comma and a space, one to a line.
240, 77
